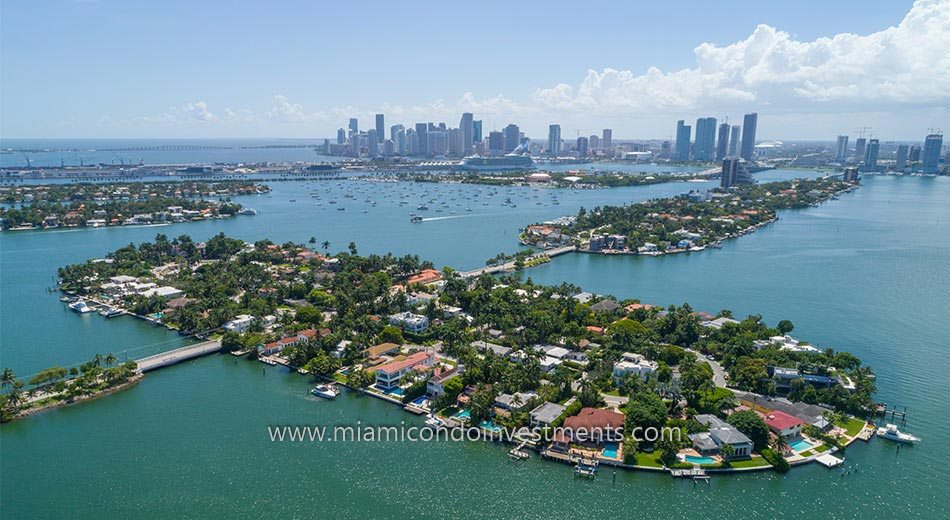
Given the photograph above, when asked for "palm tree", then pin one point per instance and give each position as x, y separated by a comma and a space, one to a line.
326, 245
97, 360
8, 378
313, 240
779, 444
110, 359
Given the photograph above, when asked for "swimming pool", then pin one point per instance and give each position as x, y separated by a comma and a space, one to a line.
800, 445
396, 391
610, 450
464, 414
692, 459
489, 425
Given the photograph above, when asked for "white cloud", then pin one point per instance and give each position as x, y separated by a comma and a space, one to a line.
905, 64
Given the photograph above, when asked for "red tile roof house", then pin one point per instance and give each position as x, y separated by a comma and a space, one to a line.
425, 276
388, 375
783, 424
594, 426
275, 347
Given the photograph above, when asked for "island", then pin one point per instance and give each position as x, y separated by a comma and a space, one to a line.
492, 354
114, 204
692, 221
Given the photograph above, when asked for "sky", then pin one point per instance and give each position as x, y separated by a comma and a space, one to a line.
183, 69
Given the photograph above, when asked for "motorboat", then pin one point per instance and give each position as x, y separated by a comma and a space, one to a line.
81, 307
326, 391
890, 432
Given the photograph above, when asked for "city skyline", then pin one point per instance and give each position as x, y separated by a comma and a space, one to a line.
767, 60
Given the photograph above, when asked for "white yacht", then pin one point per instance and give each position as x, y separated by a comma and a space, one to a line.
81, 307
435, 422
326, 391
890, 432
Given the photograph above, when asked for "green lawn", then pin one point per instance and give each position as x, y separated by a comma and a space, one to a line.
808, 453
649, 459
823, 448
852, 425
754, 462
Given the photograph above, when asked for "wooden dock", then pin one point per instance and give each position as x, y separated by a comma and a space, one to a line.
688, 473
177, 356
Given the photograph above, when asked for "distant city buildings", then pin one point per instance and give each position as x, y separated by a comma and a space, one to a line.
554, 140
870, 157
859, 149
723, 143
582, 145
842, 151
900, 161
512, 138
608, 139
380, 128
931, 154
749, 122
734, 140
681, 151
705, 138
734, 172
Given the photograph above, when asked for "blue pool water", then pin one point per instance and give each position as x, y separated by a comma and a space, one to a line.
464, 414
610, 450
419, 400
489, 425
800, 445
396, 391
700, 460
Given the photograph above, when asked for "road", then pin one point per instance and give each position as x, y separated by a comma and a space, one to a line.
510, 266
719, 375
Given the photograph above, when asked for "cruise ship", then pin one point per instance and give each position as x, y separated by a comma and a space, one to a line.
497, 163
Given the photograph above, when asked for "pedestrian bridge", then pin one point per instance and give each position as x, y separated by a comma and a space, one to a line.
178, 355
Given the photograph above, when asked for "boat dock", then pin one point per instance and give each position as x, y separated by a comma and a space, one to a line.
518, 452
828, 460
177, 356
688, 473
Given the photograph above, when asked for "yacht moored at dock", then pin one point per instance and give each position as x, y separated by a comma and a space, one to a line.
326, 391
81, 306
890, 432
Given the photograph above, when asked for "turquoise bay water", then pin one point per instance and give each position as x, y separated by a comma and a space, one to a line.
867, 273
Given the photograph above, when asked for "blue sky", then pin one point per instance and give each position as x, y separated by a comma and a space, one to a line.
112, 68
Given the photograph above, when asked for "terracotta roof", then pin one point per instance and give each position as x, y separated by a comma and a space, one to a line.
402, 364
425, 276
594, 418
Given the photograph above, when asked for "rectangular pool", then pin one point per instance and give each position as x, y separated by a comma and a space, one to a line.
800, 445
610, 450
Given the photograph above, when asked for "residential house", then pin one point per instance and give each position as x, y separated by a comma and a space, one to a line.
723, 433
545, 414
633, 364
514, 402
436, 384
783, 424
415, 323
388, 375
240, 323
594, 426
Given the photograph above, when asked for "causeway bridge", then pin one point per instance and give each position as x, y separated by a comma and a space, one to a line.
178, 355
510, 266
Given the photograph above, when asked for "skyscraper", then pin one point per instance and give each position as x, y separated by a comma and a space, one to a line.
870, 158
354, 126
380, 128
734, 140
722, 146
582, 147
422, 137
554, 140
457, 141
705, 138
477, 131
749, 123
931, 158
859, 149
512, 137
730, 172
496, 142
914, 155
608, 139
372, 142
681, 151
341, 136
901, 162
842, 152
354, 143
398, 135
593, 141
466, 125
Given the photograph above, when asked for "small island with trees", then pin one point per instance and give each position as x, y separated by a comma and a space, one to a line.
491, 353
689, 222
115, 204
